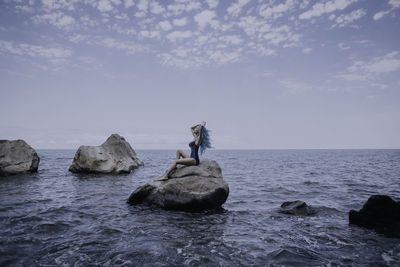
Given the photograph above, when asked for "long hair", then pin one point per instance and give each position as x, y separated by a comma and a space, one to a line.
206, 140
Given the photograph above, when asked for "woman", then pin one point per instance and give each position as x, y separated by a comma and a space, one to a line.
201, 140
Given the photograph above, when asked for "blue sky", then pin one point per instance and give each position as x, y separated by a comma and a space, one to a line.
263, 74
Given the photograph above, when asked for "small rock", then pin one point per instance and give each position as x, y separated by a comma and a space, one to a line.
197, 187
114, 156
17, 157
381, 213
296, 208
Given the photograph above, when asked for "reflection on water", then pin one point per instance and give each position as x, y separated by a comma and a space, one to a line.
55, 217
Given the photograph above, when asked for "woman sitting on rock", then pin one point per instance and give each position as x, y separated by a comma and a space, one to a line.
201, 140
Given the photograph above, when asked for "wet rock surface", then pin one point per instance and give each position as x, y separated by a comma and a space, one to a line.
380, 213
296, 208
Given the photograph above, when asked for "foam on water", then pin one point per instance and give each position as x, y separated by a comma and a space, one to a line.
55, 217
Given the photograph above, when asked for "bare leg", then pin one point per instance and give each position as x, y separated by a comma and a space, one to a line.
185, 161
180, 153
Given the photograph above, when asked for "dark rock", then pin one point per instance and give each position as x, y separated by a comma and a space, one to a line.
17, 157
296, 208
381, 213
114, 156
188, 188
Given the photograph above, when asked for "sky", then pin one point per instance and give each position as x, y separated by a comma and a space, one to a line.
263, 74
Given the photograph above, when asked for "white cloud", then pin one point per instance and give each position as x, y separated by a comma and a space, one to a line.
165, 25
381, 14
150, 34
224, 57
346, 19
143, 5
212, 3
343, 47
127, 47
236, 8
231, 39
156, 8
24, 49
57, 19
276, 11
180, 22
319, 9
306, 50
394, 5
206, 17
178, 35
104, 6
129, 3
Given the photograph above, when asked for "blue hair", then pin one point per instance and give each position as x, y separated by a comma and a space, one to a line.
206, 141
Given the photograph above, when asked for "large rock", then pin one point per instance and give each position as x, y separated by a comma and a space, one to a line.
381, 213
296, 208
17, 157
188, 188
114, 156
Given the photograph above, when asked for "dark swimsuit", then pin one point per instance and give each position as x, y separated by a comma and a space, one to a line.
194, 152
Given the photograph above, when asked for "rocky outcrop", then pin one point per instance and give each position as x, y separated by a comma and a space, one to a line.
296, 208
381, 213
188, 188
114, 156
17, 157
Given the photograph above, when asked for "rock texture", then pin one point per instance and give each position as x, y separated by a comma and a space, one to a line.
17, 157
114, 156
188, 188
296, 208
381, 213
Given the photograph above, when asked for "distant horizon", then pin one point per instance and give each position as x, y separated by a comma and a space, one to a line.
272, 74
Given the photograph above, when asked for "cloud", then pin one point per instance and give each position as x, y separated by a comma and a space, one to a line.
104, 6
276, 11
346, 19
307, 50
129, 3
128, 47
165, 25
178, 35
326, 8
180, 22
343, 47
24, 49
57, 19
156, 8
394, 5
237, 7
206, 17
366, 70
212, 3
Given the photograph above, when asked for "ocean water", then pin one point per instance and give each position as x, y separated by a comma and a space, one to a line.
59, 218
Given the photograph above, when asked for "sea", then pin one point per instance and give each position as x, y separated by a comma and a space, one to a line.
57, 218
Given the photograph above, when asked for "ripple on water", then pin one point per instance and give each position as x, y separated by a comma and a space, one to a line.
55, 217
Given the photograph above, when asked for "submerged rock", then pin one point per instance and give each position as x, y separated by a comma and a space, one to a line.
381, 213
188, 188
17, 157
296, 208
114, 156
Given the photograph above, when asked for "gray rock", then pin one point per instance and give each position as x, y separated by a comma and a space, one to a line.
296, 208
114, 156
17, 157
188, 188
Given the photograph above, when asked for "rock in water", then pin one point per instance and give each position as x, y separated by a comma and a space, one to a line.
114, 156
188, 188
17, 157
381, 213
296, 208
